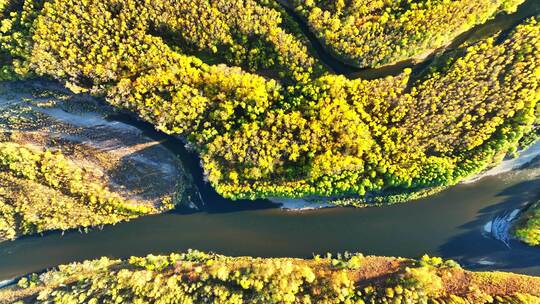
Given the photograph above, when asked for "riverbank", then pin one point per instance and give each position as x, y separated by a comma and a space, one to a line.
199, 278
65, 166
524, 157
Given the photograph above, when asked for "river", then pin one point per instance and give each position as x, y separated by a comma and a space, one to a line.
449, 224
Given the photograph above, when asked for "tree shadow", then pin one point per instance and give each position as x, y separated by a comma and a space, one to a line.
138, 161
476, 249
134, 165
203, 195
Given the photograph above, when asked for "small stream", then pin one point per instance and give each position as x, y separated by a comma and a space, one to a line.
501, 23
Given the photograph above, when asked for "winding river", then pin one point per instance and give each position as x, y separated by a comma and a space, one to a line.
450, 224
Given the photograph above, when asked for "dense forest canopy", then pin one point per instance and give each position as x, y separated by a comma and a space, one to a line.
375, 33
242, 85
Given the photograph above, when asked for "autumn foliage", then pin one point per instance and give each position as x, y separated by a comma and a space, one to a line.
375, 33
242, 86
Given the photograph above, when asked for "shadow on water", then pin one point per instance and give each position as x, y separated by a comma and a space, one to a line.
481, 253
211, 200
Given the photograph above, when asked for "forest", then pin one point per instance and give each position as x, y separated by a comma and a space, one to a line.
198, 277
376, 33
44, 190
239, 88
266, 118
